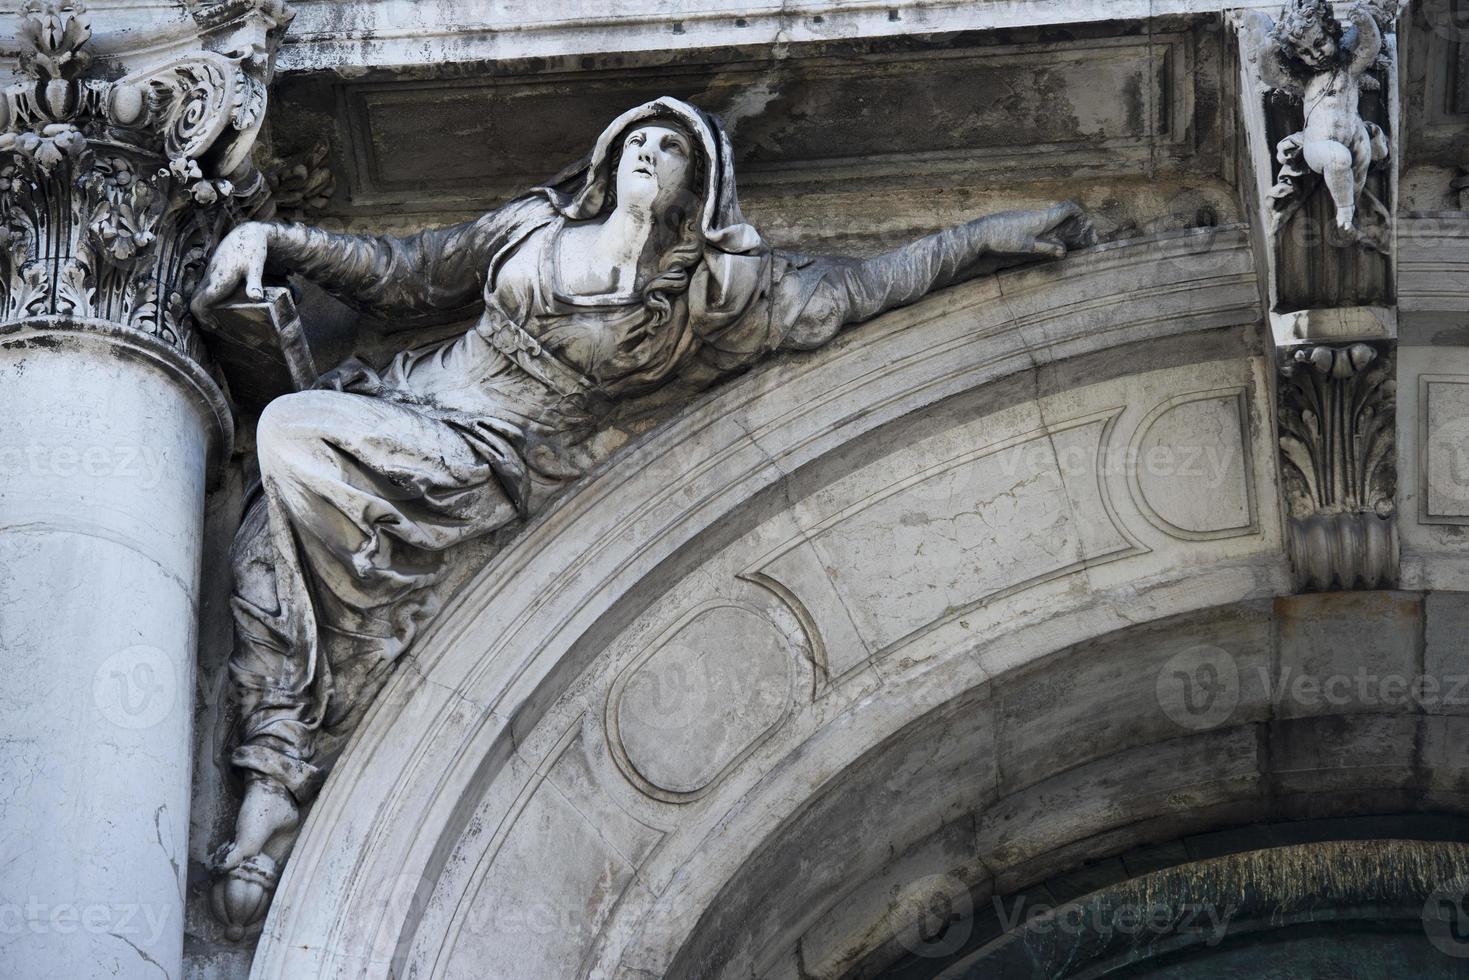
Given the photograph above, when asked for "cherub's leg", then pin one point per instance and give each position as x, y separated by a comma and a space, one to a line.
1335, 163
1362, 156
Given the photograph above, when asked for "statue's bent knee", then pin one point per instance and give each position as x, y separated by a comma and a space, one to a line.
287, 424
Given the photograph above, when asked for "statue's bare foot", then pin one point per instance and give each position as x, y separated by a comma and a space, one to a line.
1346, 218
267, 824
246, 870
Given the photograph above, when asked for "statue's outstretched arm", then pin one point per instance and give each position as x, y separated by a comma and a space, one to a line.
437, 271
1265, 52
1363, 38
854, 290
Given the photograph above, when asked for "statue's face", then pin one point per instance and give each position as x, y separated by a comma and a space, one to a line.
1316, 46
656, 169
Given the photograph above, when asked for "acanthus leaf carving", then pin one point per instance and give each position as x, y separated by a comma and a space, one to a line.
114, 192
1337, 420
248, 103
52, 37
301, 184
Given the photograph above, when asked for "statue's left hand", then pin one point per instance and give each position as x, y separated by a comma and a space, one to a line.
1046, 234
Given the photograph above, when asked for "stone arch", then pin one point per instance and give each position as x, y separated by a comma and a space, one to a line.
776, 499
1083, 782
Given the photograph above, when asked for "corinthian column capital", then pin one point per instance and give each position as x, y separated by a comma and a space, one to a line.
124, 160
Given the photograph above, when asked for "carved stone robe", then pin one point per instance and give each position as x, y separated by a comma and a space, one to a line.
366, 482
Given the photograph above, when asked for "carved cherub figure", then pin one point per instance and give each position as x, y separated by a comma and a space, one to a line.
1313, 55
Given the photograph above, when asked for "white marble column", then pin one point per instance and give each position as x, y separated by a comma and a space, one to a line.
103, 456
117, 179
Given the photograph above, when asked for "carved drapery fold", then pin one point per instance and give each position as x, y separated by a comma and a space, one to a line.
1337, 422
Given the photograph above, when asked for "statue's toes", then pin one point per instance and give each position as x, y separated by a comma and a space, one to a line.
228, 856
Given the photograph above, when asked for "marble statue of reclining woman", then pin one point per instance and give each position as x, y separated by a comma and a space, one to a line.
630, 271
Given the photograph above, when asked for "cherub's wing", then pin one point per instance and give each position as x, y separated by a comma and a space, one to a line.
1265, 53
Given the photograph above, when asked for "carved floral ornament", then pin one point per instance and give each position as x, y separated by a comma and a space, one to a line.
1337, 417
113, 193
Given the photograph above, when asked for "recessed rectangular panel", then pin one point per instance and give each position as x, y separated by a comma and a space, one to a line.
1444, 405
1105, 103
941, 540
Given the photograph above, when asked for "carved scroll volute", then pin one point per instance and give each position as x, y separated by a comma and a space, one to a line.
114, 193
1337, 420
205, 107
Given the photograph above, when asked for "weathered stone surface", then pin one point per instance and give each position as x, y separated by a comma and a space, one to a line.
1430, 450
1341, 653
832, 669
947, 537
1193, 466
1055, 717
701, 699
1445, 688
103, 459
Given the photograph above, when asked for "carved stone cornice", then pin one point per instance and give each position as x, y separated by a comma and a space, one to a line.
117, 180
1337, 418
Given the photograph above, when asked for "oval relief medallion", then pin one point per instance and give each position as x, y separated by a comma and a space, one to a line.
702, 697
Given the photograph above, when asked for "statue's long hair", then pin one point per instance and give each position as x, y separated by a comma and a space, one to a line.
682, 223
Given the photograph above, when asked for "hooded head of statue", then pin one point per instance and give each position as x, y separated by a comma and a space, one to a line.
590, 188
675, 159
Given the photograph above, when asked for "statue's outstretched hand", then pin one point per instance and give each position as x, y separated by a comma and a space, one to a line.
1045, 234
239, 260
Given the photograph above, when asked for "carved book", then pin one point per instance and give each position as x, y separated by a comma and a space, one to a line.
261, 347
